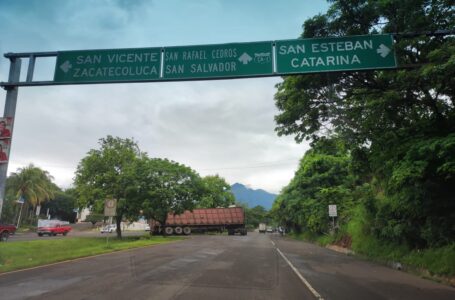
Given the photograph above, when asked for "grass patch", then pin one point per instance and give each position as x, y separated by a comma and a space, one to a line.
307, 236
20, 255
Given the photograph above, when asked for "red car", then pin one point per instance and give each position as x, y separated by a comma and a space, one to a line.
53, 229
5, 231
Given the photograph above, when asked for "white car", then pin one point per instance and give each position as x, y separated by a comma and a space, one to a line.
109, 228
147, 227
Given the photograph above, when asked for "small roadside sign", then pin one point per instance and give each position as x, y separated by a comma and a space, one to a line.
332, 210
21, 200
110, 207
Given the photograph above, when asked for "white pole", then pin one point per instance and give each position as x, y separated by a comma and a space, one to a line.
19, 218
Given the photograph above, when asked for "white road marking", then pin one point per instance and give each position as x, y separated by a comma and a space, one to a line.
308, 285
273, 243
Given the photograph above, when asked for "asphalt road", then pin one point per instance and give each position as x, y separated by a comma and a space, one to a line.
220, 267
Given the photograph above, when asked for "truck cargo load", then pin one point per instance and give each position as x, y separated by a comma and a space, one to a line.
230, 219
262, 227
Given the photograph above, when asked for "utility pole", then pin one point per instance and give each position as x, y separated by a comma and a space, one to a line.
9, 112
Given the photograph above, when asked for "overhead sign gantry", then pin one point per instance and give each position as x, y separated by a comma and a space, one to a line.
224, 61
200, 62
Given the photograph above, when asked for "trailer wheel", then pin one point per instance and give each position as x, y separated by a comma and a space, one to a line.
178, 230
168, 230
230, 232
186, 230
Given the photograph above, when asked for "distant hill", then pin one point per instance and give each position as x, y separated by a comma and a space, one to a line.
252, 197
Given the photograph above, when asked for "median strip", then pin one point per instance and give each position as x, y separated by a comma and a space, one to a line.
30, 254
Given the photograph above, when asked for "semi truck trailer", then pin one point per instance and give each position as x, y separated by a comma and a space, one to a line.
230, 219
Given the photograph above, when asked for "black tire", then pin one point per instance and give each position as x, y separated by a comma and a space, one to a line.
40, 234
54, 234
186, 230
4, 236
168, 230
230, 232
65, 233
178, 230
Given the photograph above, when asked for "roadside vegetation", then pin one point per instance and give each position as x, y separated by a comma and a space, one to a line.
382, 142
144, 187
21, 255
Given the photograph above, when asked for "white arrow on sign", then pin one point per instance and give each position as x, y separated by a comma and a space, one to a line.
383, 50
66, 66
245, 58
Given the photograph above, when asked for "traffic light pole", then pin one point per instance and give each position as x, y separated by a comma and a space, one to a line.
9, 112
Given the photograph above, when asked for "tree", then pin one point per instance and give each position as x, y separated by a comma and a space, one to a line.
94, 218
256, 215
217, 193
32, 184
110, 171
323, 178
398, 124
167, 187
62, 206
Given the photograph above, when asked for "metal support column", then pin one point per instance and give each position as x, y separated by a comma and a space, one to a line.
10, 111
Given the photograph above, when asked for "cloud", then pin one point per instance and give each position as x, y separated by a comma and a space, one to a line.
222, 126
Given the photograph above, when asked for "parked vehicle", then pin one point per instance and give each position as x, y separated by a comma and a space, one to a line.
5, 231
147, 227
52, 227
262, 227
230, 219
270, 229
109, 228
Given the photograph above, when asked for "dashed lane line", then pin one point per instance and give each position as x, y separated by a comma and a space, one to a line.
307, 284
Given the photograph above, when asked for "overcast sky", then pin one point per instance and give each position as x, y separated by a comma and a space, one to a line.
223, 127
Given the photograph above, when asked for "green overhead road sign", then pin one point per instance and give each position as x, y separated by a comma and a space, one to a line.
218, 61
349, 53
233, 60
142, 64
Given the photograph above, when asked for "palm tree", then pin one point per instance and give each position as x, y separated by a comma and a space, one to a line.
32, 184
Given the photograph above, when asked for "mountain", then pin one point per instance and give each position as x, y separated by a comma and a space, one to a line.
252, 197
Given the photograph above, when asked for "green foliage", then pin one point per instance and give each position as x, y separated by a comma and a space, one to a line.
397, 127
217, 193
110, 171
62, 206
9, 211
32, 184
322, 178
256, 215
167, 186
94, 218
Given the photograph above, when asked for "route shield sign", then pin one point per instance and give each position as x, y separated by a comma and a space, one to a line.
218, 61
142, 64
335, 54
